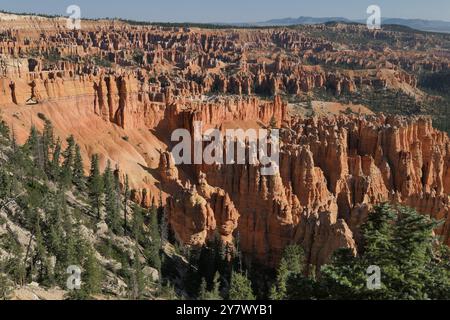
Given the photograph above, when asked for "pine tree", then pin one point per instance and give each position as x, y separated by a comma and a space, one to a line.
400, 242
55, 163
343, 278
279, 290
14, 265
95, 185
153, 248
413, 249
240, 287
5, 183
56, 207
67, 166
118, 201
74, 243
58, 238
214, 294
111, 200
34, 148
203, 291
378, 234
291, 266
40, 260
294, 257
32, 140
438, 279
92, 275
126, 196
138, 221
137, 281
48, 144
78, 170
13, 140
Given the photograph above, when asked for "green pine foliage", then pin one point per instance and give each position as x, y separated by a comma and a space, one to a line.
112, 203
400, 242
137, 277
68, 162
78, 171
37, 181
95, 186
153, 245
55, 162
291, 265
240, 287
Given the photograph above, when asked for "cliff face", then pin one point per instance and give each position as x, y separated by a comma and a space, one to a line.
121, 90
332, 171
119, 116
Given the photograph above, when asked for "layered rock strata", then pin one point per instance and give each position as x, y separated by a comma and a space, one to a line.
332, 172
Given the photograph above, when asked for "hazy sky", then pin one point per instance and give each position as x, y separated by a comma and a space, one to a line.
233, 10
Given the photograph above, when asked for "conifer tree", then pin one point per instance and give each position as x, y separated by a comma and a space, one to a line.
5, 183
279, 290
214, 294
153, 248
78, 170
126, 196
48, 144
15, 265
40, 260
138, 280
291, 266
95, 185
13, 140
111, 200
138, 220
203, 291
67, 166
240, 287
34, 149
117, 202
92, 275
400, 242
55, 163
32, 140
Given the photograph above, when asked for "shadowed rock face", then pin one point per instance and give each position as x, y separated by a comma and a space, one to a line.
153, 80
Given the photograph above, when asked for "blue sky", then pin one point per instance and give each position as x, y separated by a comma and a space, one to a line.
234, 10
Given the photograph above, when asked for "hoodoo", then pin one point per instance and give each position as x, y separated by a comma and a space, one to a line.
354, 123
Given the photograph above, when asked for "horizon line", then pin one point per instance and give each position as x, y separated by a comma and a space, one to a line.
356, 20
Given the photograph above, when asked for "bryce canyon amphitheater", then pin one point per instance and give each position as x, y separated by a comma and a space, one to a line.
122, 89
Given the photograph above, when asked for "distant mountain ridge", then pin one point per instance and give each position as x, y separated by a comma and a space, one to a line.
419, 24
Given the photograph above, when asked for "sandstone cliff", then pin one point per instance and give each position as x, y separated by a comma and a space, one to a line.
332, 171
121, 90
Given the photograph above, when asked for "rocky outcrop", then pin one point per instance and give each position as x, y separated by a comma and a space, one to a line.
332, 171
121, 90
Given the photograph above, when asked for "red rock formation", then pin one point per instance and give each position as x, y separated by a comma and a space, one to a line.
122, 89
332, 171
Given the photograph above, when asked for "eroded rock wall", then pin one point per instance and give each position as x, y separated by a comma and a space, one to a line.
332, 172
